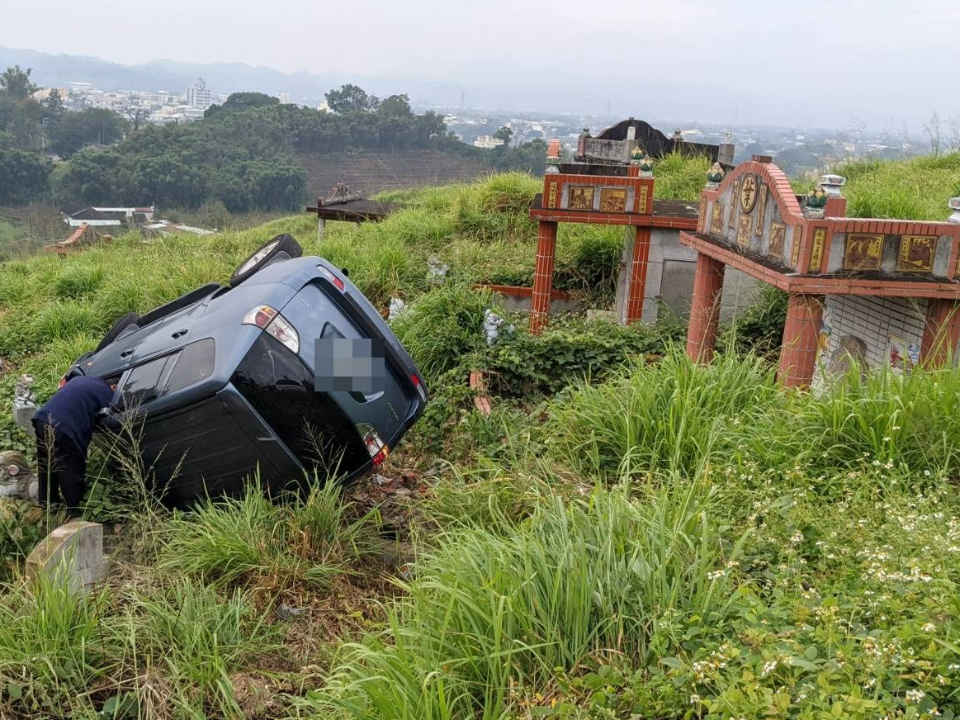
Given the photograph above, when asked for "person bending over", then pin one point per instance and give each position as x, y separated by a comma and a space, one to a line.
64, 428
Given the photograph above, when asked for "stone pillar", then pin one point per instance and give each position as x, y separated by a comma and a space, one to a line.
638, 275
321, 227
798, 356
543, 276
705, 308
941, 333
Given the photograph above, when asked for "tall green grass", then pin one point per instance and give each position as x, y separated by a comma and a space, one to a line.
913, 189
271, 547
487, 613
53, 650
674, 415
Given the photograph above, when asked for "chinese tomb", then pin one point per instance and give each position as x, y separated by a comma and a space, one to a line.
875, 291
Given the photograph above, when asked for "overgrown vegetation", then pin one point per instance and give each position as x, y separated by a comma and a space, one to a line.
913, 189
627, 534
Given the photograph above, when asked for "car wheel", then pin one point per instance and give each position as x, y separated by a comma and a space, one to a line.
264, 255
118, 327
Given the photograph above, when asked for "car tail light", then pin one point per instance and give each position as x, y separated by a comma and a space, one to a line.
331, 277
268, 319
378, 449
419, 385
63, 381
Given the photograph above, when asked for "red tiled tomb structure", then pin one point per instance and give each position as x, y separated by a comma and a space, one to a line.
875, 291
611, 182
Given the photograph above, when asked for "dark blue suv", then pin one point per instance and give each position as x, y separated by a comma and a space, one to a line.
223, 380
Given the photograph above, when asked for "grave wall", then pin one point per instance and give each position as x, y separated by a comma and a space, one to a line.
876, 331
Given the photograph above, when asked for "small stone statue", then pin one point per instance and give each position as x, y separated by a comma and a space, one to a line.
24, 403
493, 326
397, 306
436, 271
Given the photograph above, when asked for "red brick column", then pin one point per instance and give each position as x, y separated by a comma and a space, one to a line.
543, 276
798, 356
941, 333
704, 308
638, 275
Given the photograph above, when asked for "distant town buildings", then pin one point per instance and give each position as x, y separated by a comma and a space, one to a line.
198, 95
487, 142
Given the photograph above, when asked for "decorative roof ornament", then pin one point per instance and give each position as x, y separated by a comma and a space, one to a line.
646, 166
817, 198
715, 176
816, 201
636, 155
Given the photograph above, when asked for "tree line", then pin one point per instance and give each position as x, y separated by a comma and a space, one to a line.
242, 153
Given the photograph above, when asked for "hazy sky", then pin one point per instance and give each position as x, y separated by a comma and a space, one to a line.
814, 62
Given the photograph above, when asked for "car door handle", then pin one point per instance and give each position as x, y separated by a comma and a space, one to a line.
126, 353
179, 334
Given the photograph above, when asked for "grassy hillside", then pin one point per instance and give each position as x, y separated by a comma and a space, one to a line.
914, 189
628, 535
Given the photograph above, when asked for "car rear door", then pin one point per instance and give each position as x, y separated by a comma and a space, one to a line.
389, 403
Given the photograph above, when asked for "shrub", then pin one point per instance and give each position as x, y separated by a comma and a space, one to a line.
441, 326
566, 351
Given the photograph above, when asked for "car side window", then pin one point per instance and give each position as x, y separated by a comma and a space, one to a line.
195, 363
144, 383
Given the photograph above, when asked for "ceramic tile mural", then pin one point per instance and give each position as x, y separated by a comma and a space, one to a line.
581, 198
613, 200
863, 252
916, 253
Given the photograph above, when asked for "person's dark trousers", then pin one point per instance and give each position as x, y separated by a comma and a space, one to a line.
61, 469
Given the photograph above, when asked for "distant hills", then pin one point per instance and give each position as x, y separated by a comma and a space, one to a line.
59, 70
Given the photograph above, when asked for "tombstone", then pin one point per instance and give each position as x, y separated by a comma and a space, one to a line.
73, 553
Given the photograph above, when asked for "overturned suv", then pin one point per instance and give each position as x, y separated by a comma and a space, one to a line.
225, 382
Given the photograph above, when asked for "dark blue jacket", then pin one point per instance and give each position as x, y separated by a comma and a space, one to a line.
75, 409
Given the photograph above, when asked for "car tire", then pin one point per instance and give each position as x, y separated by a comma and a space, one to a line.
264, 255
118, 327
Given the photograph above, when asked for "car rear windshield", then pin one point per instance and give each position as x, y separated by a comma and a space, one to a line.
280, 388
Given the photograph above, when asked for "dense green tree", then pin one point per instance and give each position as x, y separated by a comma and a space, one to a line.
504, 134
23, 177
16, 84
351, 99
75, 130
398, 105
92, 176
53, 103
238, 102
